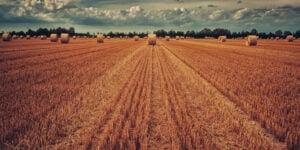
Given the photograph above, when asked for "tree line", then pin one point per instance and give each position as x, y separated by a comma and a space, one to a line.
206, 32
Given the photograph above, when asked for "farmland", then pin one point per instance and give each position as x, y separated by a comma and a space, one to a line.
125, 94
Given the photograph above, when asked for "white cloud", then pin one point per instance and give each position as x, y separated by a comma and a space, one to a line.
186, 15
240, 13
134, 11
53, 4
216, 14
180, 10
46, 17
20, 11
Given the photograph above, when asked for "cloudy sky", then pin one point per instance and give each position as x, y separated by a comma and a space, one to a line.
149, 15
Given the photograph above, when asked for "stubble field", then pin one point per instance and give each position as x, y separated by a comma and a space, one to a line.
125, 94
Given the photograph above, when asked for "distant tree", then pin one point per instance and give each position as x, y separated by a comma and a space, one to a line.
262, 35
206, 32
43, 31
271, 35
243, 34
253, 32
111, 34
71, 31
297, 34
13, 33
21, 33
220, 32
278, 33
130, 34
160, 33
142, 34
246, 33
199, 35
190, 33
135, 33
172, 33
122, 34
179, 33
30, 32
234, 35
286, 33
239, 34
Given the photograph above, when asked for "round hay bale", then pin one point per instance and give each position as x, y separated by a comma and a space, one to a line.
277, 38
53, 38
6, 37
182, 37
222, 38
100, 38
136, 38
64, 38
251, 40
108, 37
167, 38
151, 39
43, 37
21, 37
14, 37
74, 37
177, 37
289, 38
28, 37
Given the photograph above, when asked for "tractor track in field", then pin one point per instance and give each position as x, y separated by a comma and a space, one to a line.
162, 129
200, 74
177, 104
111, 129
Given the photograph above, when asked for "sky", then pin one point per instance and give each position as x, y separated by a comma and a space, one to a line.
149, 15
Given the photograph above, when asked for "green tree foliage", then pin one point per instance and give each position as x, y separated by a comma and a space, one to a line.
286, 33
278, 33
206, 32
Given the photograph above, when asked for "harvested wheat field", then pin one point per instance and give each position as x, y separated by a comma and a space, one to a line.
126, 94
